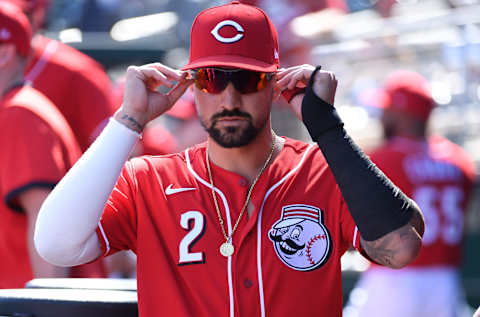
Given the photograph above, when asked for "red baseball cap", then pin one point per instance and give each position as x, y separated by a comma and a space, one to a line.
15, 28
234, 35
408, 92
28, 6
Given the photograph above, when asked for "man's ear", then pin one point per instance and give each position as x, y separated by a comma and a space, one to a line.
7, 53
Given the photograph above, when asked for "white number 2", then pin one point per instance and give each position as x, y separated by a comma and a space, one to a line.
436, 202
194, 223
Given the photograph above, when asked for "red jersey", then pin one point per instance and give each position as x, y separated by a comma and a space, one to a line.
75, 83
439, 176
38, 148
287, 253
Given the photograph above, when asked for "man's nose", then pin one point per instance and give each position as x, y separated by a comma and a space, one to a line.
232, 98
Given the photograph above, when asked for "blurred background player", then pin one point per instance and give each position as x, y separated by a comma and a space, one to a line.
439, 176
77, 85
38, 147
294, 49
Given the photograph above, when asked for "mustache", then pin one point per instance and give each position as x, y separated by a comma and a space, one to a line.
230, 113
289, 242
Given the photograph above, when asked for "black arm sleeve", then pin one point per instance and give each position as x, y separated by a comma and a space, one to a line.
377, 206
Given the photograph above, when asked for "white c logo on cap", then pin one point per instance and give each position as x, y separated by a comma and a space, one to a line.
222, 39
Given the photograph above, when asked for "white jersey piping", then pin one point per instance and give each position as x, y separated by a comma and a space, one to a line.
41, 63
259, 231
229, 227
107, 243
355, 236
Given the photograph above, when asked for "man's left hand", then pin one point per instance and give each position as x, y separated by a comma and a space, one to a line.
324, 84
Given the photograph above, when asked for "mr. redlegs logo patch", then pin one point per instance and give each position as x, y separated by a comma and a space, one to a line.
300, 239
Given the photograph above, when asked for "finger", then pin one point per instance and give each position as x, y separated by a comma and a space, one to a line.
285, 80
170, 73
154, 78
298, 77
282, 72
186, 76
291, 81
178, 90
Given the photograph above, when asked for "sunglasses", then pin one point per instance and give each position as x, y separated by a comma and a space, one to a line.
215, 80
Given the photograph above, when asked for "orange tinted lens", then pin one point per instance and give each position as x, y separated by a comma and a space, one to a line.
248, 82
214, 80
210, 80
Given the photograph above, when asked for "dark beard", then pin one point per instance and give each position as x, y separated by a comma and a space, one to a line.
231, 137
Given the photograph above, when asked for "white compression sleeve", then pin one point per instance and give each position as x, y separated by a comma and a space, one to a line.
69, 216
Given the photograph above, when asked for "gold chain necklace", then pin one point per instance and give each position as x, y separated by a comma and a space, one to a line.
227, 249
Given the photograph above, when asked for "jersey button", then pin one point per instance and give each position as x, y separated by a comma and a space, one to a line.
242, 182
247, 283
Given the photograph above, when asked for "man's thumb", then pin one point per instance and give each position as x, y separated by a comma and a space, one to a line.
178, 90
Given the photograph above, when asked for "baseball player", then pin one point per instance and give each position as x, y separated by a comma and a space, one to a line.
38, 147
248, 223
439, 176
73, 81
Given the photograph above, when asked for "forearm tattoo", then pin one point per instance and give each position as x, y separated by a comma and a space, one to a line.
132, 123
394, 248
379, 251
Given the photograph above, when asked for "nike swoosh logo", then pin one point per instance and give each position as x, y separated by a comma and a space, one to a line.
170, 191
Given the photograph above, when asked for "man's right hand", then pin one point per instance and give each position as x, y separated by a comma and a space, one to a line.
141, 101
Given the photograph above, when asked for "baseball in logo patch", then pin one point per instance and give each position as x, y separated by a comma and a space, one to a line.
300, 239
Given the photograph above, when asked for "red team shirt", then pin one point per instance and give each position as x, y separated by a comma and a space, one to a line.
38, 148
439, 176
75, 83
287, 254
